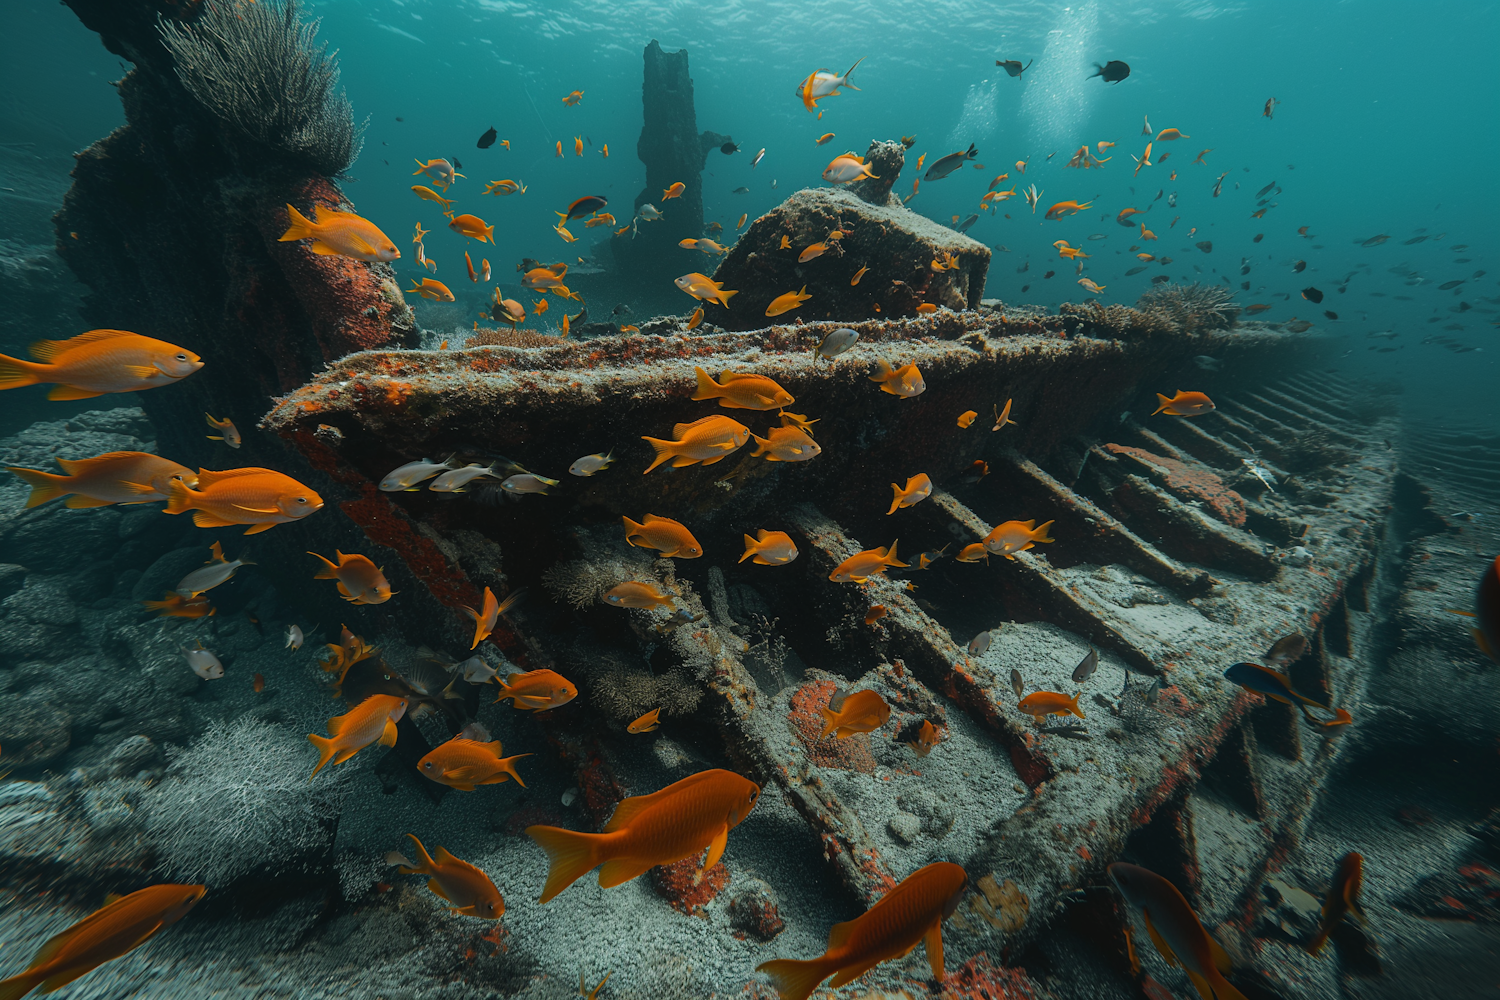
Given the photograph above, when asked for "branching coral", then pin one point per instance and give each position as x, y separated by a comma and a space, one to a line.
258, 69
238, 800
1190, 308
624, 694
1115, 320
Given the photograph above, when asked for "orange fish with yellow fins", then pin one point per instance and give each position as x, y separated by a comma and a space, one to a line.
341, 234
1175, 930
862, 565
671, 538
918, 488
98, 362
536, 690
742, 391
664, 827
464, 763
360, 581
1184, 404
1016, 536
261, 498
910, 914
114, 477
119, 927
707, 440
468, 889
858, 712
371, 721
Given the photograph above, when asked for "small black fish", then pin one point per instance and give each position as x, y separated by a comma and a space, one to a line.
740, 190
1299, 266
1025, 288
1048, 275
1113, 71
1013, 66
401, 119
1024, 268
1374, 241
1330, 314
1244, 269
456, 164
1207, 246
942, 168
1450, 284
1265, 190
963, 226
1244, 286
1258, 237
587, 205
488, 139
1160, 278
1134, 270
1086, 666
908, 141
1414, 239
729, 147
1312, 295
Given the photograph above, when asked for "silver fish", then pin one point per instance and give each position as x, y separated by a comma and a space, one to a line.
294, 637
527, 482
408, 476
758, 157
1086, 666
1016, 684
837, 342
1260, 472
455, 480
1207, 363
590, 464
212, 573
979, 644
202, 662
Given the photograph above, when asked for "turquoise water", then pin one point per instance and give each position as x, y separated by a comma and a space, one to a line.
1379, 132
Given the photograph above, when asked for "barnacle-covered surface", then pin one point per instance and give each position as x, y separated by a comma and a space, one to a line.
1173, 558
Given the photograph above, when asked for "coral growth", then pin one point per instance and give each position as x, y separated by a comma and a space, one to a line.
1190, 308
505, 337
582, 582
851, 754
686, 886
1114, 320
1192, 483
624, 694
1314, 452
238, 800
257, 67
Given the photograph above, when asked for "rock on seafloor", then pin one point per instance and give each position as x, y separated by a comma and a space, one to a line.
898, 246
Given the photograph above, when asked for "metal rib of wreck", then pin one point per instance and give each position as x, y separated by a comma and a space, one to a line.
1181, 547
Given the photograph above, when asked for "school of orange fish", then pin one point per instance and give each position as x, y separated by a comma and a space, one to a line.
694, 815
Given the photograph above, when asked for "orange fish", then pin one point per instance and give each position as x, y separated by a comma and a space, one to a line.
649, 830
918, 488
647, 723
1169, 134
578, 145
741, 224
536, 690
1343, 898
489, 613
174, 605
605, 150
675, 191
372, 720
1175, 930
770, 548
428, 194
122, 924
360, 580
694, 320
786, 303
463, 763
1487, 611
1184, 404
848, 713
635, 594
876, 613
469, 890
257, 683
670, 538
911, 913
973, 553
742, 391
431, 288
823, 139
708, 440
98, 362
786, 444
967, 417
1016, 536
559, 147
1002, 417
573, 98
857, 275
1040, 704
862, 565
471, 226
905, 381
1063, 208
816, 250
342, 234
114, 477
228, 433
257, 497
927, 737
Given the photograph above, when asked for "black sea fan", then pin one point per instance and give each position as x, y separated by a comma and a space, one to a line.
258, 68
